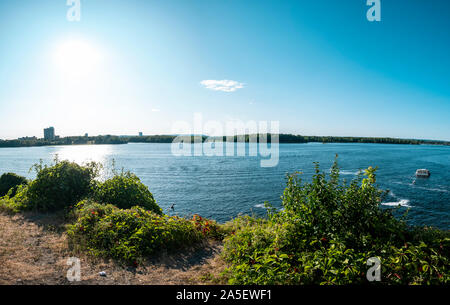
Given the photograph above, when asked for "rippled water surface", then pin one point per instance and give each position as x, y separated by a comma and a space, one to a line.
223, 187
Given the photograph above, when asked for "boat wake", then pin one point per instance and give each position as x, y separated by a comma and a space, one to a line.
349, 172
261, 206
402, 203
432, 189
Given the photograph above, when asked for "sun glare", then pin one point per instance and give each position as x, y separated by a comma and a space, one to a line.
77, 58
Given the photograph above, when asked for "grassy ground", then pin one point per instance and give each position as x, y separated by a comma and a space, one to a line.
34, 250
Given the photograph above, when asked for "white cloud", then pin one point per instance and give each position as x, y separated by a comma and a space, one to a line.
155, 110
222, 85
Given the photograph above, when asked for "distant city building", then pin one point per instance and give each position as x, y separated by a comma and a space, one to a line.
49, 133
28, 139
86, 135
140, 134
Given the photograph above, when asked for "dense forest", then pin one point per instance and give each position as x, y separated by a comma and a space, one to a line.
283, 138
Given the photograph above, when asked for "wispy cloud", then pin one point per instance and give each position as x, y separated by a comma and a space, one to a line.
222, 85
155, 110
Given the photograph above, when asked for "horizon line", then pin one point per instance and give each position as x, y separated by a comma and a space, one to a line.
246, 134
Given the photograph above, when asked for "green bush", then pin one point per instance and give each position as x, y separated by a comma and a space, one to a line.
130, 234
326, 233
126, 190
60, 185
252, 248
15, 203
10, 181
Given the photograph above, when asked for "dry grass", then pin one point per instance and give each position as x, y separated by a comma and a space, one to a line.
34, 250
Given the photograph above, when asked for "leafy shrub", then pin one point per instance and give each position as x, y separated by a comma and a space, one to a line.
252, 248
15, 203
126, 190
10, 181
128, 234
208, 227
326, 233
61, 185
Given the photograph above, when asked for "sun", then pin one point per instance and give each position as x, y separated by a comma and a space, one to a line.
77, 58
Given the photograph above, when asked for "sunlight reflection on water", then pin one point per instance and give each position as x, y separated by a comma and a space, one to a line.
83, 154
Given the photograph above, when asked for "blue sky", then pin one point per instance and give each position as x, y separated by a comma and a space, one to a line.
317, 67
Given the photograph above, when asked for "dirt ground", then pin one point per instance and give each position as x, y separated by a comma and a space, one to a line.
34, 250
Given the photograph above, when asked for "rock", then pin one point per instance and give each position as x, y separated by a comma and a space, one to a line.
102, 273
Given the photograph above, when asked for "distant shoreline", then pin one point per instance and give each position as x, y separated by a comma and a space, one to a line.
283, 139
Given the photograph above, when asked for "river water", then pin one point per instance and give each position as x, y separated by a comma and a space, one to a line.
221, 187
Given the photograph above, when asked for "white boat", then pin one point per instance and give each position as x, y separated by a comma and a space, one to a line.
423, 173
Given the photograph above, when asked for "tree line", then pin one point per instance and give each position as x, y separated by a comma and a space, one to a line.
283, 138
